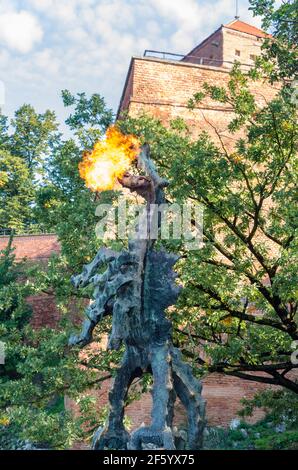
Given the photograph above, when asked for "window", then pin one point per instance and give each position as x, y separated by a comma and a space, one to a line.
252, 57
237, 52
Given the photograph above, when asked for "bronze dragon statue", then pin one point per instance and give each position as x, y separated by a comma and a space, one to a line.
136, 288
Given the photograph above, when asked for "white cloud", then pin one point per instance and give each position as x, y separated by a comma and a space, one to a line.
87, 44
116, 13
47, 62
184, 12
64, 11
20, 30
193, 20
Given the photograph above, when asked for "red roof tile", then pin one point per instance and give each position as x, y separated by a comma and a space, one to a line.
238, 25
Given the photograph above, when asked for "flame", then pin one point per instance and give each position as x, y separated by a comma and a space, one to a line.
109, 160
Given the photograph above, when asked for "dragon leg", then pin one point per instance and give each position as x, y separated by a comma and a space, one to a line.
115, 436
159, 432
171, 405
188, 389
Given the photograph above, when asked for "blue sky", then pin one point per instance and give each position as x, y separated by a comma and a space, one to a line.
86, 45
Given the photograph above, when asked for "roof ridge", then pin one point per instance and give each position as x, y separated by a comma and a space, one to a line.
245, 28
231, 22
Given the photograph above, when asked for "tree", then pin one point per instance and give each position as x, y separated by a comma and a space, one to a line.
240, 303
64, 204
39, 368
240, 300
24, 146
33, 135
282, 21
16, 193
90, 118
3, 131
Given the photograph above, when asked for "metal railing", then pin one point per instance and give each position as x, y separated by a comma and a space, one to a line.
190, 58
163, 55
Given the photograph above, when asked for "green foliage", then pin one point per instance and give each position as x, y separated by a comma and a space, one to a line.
259, 436
33, 135
45, 430
90, 118
38, 367
64, 204
248, 263
281, 405
3, 131
14, 311
278, 430
16, 193
250, 234
282, 21
24, 147
288, 440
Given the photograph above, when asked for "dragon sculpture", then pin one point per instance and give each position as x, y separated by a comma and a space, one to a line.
136, 288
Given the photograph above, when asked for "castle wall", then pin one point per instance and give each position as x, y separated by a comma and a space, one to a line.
248, 46
163, 88
209, 52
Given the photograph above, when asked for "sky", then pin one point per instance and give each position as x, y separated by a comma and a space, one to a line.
86, 45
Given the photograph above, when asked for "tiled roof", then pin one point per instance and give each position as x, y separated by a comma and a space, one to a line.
238, 25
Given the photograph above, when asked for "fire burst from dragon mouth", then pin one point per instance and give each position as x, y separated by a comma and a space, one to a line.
109, 160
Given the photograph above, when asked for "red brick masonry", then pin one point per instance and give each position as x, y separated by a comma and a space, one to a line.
33, 247
223, 393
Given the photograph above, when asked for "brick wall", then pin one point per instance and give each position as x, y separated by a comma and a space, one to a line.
210, 50
33, 247
37, 249
163, 88
246, 44
223, 393
235, 41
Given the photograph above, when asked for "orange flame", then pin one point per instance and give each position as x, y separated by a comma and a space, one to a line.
109, 160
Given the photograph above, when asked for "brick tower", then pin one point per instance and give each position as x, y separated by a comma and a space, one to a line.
161, 83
